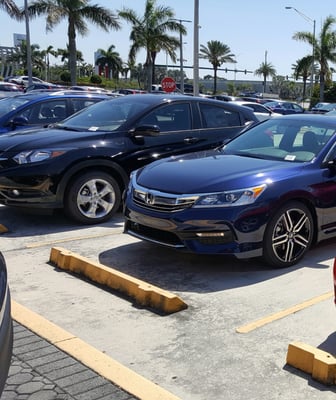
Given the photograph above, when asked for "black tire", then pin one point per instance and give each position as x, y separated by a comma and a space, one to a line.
92, 198
288, 235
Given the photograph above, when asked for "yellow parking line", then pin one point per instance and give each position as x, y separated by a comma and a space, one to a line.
105, 366
284, 313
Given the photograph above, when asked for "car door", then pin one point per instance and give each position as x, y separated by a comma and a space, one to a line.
328, 197
41, 113
220, 123
177, 133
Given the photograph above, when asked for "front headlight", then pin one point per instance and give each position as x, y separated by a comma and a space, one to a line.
31, 156
240, 197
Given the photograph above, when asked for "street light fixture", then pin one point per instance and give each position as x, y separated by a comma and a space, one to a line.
313, 53
181, 53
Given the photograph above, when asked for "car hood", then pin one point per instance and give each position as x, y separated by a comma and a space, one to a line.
212, 172
45, 138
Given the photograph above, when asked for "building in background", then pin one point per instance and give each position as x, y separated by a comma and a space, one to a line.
7, 68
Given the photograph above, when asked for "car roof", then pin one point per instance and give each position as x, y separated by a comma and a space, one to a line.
308, 117
38, 95
167, 97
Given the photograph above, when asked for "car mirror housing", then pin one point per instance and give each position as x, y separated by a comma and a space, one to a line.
19, 121
145, 130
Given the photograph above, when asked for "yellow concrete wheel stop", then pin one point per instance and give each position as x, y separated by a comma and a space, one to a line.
142, 292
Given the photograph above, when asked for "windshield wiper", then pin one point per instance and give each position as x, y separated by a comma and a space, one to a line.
65, 127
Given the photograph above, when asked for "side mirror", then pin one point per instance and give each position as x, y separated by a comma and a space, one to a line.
19, 121
145, 130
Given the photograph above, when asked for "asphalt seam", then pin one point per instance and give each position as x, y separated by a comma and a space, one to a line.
94, 359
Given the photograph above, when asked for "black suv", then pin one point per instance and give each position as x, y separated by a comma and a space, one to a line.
83, 163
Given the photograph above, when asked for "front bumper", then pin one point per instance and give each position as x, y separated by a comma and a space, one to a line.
206, 231
28, 191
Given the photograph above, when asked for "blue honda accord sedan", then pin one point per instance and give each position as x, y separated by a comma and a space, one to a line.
270, 192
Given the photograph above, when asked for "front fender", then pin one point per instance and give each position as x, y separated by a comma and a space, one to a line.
93, 164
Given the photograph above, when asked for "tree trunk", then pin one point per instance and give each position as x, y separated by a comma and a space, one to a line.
321, 86
72, 53
215, 81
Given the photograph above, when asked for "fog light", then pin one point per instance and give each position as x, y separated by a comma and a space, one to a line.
16, 192
210, 234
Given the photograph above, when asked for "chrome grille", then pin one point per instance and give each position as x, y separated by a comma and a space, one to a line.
154, 200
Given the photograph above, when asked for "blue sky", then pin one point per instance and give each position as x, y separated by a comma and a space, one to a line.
254, 31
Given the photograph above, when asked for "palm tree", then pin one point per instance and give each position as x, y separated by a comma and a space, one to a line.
150, 32
216, 53
324, 48
46, 54
75, 12
303, 69
65, 55
265, 70
111, 59
19, 56
11, 8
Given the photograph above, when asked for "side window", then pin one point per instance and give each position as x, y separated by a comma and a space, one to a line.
296, 107
218, 117
45, 112
79, 104
172, 117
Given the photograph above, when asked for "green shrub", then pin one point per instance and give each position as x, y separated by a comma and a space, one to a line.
96, 79
65, 76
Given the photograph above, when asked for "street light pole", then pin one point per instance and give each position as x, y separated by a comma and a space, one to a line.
181, 54
29, 60
196, 47
312, 21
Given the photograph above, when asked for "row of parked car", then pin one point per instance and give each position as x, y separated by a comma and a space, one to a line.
281, 171
190, 173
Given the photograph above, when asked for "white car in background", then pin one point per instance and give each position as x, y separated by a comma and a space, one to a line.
23, 80
260, 111
8, 89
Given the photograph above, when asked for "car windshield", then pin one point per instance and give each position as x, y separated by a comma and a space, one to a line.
9, 104
282, 139
106, 115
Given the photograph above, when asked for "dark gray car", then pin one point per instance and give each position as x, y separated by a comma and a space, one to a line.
6, 326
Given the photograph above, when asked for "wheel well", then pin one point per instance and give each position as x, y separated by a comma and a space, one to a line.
310, 207
119, 176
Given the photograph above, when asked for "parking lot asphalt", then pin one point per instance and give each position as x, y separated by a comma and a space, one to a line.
49, 363
207, 351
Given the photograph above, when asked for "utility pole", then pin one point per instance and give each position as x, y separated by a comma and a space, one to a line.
29, 58
312, 21
181, 54
196, 47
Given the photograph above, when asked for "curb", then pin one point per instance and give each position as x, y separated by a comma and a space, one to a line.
142, 292
318, 363
97, 361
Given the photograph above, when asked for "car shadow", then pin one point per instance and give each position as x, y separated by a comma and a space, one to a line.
21, 223
176, 271
310, 381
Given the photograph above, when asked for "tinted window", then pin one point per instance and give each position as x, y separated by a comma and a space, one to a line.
44, 112
218, 117
79, 104
172, 117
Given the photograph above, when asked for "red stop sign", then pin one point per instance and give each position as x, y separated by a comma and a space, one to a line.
168, 84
